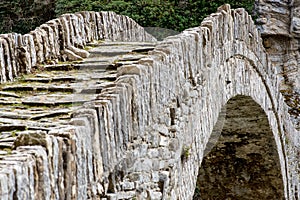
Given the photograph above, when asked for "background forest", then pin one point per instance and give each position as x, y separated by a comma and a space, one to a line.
22, 16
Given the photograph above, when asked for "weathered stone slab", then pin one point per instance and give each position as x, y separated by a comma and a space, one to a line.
91, 66
38, 87
11, 127
59, 67
51, 114
48, 100
9, 94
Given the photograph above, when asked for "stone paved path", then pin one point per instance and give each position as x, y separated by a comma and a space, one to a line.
43, 101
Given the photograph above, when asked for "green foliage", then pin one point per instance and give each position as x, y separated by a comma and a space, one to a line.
22, 16
8, 150
71, 6
186, 152
172, 14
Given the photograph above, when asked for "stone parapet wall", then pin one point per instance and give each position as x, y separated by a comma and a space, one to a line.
145, 134
158, 116
63, 39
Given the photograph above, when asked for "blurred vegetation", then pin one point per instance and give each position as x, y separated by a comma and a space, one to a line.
24, 15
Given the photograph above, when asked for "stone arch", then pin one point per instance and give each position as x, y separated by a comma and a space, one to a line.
149, 129
211, 74
237, 77
243, 163
177, 92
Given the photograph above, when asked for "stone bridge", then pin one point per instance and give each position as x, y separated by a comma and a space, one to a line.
93, 107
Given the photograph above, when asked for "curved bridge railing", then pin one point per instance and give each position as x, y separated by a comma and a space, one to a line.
63, 39
145, 134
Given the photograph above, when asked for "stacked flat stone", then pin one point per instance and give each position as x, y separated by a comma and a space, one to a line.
170, 101
63, 39
49, 147
144, 135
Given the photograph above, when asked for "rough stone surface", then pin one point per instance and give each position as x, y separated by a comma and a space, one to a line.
278, 22
145, 132
41, 118
63, 39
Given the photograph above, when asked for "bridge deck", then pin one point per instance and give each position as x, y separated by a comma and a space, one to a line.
43, 101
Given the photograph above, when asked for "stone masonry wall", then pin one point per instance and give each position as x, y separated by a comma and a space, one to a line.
53, 164
164, 109
144, 136
63, 39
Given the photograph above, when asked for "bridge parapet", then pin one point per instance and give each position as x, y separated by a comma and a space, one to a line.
222, 58
63, 39
145, 134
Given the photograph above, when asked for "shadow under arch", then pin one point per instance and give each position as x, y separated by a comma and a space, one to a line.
243, 163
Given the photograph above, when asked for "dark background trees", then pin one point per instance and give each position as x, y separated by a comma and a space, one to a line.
24, 15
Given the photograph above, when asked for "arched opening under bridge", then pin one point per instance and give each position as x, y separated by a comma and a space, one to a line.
243, 162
